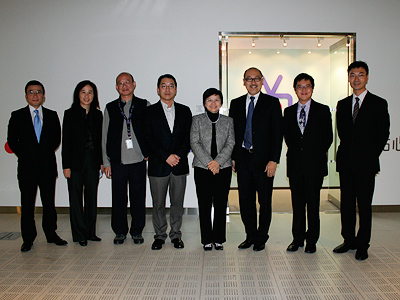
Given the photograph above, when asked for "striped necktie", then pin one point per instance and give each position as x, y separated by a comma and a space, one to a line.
356, 109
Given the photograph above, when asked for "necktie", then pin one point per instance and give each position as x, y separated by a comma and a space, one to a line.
37, 125
356, 109
302, 119
248, 136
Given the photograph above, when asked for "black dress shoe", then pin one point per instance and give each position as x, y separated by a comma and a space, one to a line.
83, 243
119, 239
178, 243
218, 246
343, 248
245, 245
310, 248
258, 246
138, 239
57, 240
361, 254
26, 246
207, 247
95, 238
294, 246
157, 244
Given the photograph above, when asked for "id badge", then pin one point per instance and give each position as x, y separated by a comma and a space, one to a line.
129, 144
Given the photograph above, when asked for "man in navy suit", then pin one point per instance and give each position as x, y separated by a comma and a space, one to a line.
307, 127
168, 137
363, 128
34, 134
258, 134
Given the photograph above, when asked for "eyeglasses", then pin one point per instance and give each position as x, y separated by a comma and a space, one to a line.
352, 76
165, 86
303, 87
121, 83
255, 79
38, 92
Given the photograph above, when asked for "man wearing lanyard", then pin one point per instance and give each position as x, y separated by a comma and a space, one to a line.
124, 157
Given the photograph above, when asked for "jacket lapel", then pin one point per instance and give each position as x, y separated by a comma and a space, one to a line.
161, 117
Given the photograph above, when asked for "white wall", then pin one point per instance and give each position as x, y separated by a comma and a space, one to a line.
63, 42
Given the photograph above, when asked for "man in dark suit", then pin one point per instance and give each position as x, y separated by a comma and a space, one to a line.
34, 134
124, 159
168, 136
258, 135
307, 128
363, 128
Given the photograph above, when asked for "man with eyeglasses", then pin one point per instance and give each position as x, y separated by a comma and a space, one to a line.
34, 135
363, 128
168, 136
307, 128
258, 135
124, 159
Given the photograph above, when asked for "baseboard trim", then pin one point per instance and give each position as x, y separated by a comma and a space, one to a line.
375, 208
100, 210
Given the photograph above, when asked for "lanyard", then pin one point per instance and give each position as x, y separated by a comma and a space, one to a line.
128, 120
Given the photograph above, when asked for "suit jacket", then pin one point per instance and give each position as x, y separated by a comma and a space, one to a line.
34, 159
307, 152
74, 137
361, 143
162, 143
201, 137
267, 129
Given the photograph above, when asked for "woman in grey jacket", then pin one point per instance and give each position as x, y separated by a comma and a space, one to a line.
212, 139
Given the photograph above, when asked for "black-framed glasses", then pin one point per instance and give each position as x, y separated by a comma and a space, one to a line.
255, 79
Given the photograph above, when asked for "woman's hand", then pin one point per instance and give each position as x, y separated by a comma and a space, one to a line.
213, 166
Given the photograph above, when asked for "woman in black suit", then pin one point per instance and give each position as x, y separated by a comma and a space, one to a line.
82, 160
212, 139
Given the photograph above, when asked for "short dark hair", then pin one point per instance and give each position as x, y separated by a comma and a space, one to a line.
166, 76
76, 101
244, 74
212, 91
126, 74
358, 64
34, 82
303, 76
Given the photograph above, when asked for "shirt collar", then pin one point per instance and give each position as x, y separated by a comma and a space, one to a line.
165, 106
255, 96
32, 109
361, 97
307, 105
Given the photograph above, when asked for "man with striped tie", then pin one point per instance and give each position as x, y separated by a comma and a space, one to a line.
363, 128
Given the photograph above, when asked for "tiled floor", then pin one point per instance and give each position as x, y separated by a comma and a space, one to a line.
103, 270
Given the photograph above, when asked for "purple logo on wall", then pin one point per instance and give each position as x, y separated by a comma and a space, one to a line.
272, 92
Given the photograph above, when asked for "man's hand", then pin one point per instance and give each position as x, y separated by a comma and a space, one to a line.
213, 166
67, 173
107, 171
173, 160
271, 168
233, 166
